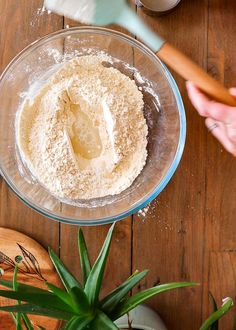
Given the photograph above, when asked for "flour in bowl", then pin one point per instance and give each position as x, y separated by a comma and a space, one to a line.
84, 134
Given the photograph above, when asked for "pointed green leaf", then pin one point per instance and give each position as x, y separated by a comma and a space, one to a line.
15, 278
23, 287
227, 304
18, 325
109, 303
27, 322
213, 302
14, 317
20, 315
136, 272
102, 321
7, 284
78, 323
84, 257
18, 322
80, 300
94, 281
67, 278
49, 301
214, 326
36, 310
140, 297
62, 295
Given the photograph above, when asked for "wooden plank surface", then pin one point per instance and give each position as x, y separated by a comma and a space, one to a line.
34, 269
188, 232
174, 223
220, 215
21, 23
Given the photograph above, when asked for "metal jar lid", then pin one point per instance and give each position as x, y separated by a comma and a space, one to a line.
158, 6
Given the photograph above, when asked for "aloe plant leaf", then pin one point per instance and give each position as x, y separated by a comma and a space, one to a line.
102, 321
36, 310
215, 307
20, 315
67, 278
94, 281
214, 317
78, 323
15, 278
80, 300
23, 287
18, 322
214, 326
14, 317
109, 303
131, 302
27, 322
84, 257
62, 295
18, 325
49, 301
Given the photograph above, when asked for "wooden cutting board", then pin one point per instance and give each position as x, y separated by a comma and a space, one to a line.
34, 268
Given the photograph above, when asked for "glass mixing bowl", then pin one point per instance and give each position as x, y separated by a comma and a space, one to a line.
163, 111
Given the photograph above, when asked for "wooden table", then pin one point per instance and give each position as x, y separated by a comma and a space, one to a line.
189, 232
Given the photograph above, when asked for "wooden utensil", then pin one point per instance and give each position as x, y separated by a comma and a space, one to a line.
189, 70
35, 267
103, 12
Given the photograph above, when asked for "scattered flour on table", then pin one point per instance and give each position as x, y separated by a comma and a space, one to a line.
151, 212
84, 134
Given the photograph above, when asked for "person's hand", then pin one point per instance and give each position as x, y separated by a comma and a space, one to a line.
220, 118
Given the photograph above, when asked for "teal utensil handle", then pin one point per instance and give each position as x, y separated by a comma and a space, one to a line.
132, 22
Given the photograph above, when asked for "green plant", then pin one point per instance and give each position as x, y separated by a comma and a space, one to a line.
212, 323
80, 305
17, 318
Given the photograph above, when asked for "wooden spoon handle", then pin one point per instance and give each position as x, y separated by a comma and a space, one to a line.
191, 71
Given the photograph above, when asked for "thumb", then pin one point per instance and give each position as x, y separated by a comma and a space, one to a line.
233, 91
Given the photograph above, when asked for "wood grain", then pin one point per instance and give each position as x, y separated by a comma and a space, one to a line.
222, 284
169, 241
22, 22
34, 269
189, 70
220, 238
188, 232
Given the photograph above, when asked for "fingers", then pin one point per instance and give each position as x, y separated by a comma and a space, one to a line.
233, 91
199, 100
219, 131
209, 108
222, 112
231, 132
221, 119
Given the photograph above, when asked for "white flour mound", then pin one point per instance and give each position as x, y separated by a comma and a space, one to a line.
84, 134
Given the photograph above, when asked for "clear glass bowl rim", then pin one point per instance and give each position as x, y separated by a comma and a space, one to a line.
182, 134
